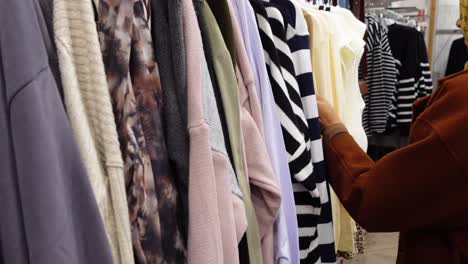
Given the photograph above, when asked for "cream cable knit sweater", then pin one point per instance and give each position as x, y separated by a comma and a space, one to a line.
89, 109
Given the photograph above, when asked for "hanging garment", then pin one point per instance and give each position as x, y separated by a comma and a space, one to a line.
434, 161
381, 79
49, 214
266, 194
320, 41
173, 13
337, 48
304, 168
307, 202
348, 228
343, 53
225, 76
245, 79
168, 48
414, 72
142, 202
286, 247
458, 56
298, 39
329, 84
148, 92
89, 110
47, 8
350, 32
212, 203
136, 92
320, 45
351, 50
292, 123
243, 250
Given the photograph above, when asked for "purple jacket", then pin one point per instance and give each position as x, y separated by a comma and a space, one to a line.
49, 214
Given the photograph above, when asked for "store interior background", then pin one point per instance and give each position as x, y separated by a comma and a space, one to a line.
445, 30
382, 248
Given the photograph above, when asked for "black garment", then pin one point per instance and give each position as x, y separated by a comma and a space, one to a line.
414, 72
244, 251
49, 213
176, 34
458, 57
166, 36
378, 152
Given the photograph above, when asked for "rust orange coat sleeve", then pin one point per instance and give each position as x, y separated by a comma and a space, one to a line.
414, 187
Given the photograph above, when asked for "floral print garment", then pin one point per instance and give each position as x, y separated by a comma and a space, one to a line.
145, 78
133, 79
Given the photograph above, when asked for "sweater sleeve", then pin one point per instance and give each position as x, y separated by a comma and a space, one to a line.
410, 188
425, 82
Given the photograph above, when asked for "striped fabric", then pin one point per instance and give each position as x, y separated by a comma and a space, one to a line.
381, 79
413, 71
409, 90
289, 105
281, 68
297, 36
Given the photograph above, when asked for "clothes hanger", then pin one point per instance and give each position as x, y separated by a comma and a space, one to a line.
321, 6
328, 7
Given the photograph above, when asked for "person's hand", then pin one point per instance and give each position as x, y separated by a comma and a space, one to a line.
327, 115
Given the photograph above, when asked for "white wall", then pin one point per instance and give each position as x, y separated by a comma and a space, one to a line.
447, 15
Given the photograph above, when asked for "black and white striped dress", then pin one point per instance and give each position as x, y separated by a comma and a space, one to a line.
289, 104
298, 40
281, 68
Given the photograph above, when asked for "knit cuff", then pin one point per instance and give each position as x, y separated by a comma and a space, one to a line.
333, 130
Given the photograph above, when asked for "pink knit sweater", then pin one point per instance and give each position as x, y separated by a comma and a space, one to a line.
217, 218
266, 194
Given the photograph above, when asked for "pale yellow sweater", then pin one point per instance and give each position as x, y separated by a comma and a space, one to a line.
89, 109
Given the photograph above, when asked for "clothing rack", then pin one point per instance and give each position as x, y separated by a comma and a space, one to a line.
449, 31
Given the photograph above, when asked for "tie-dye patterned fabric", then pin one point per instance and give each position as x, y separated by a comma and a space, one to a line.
133, 79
